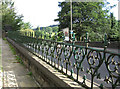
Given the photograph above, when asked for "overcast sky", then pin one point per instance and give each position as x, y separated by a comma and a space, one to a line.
43, 12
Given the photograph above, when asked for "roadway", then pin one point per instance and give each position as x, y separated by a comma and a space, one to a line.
102, 70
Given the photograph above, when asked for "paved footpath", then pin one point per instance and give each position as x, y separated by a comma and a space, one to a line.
1, 64
14, 74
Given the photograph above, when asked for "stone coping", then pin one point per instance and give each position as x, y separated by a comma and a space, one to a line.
51, 74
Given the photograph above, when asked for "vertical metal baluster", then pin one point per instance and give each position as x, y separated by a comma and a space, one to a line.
86, 40
66, 66
105, 46
77, 73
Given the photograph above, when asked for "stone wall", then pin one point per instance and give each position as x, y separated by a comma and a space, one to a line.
43, 73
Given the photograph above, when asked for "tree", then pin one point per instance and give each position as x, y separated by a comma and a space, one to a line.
48, 29
25, 25
87, 17
55, 29
119, 30
10, 19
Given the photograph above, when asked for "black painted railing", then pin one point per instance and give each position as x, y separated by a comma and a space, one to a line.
97, 65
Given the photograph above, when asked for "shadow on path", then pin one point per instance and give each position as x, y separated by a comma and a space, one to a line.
14, 73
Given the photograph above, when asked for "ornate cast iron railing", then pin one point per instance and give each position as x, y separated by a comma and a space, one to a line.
97, 65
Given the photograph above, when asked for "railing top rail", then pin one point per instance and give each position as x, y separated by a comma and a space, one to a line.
90, 48
72, 57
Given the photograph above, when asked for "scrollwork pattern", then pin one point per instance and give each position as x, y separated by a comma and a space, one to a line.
113, 67
71, 57
95, 60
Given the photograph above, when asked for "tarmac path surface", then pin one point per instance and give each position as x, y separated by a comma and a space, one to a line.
12, 73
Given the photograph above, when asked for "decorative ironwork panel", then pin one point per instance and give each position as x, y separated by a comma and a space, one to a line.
91, 63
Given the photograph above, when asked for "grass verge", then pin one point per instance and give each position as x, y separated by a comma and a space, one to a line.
17, 57
14, 52
30, 74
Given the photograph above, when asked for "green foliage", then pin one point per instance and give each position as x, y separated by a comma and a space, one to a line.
87, 17
114, 31
25, 25
10, 19
95, 36
46, 32
55, 29
12, 49
14, 52
30, 74
118, 30
60, 36
4, 39
50, 35
27, 32
48, 29
19, 59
